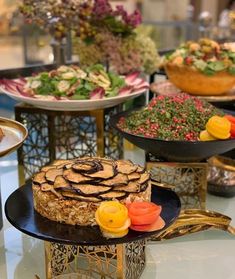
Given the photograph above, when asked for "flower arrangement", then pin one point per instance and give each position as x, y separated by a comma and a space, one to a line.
101, 34
111, 36
56, 16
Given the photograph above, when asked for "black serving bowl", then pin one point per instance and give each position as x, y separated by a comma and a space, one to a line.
175, 151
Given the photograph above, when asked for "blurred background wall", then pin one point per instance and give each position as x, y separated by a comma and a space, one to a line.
168, 22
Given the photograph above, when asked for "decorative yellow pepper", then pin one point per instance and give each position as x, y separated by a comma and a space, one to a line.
112, 217
219, 127
205, 136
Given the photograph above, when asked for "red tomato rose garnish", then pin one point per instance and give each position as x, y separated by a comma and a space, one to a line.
157, 225
143, 214
232, 131
230, 118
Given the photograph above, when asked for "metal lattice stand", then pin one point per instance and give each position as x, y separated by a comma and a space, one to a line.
119, 261
64, 135
188, 179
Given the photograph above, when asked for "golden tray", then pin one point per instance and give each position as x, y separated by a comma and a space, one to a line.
14, 135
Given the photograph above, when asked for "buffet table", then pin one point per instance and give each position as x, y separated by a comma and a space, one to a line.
207, 254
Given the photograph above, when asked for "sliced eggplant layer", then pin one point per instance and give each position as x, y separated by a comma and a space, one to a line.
39, 178
132, 187
88, 189
70, 195
112, 195
60, 182
118, 180
108, 171
64, 166
52, 174
144, 178
126, 167
140, 169
85, 166
133, 176
75, 177
68, 166
144, 187
92, 179
46, 187
47, 168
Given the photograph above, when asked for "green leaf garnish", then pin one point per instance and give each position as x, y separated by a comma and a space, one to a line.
216, 66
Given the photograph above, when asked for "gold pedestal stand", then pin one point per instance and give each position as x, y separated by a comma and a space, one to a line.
64, 135
189, 180
121, 261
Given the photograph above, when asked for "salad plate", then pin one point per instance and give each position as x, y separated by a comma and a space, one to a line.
71, 105
70, 88
174, 150
202, 67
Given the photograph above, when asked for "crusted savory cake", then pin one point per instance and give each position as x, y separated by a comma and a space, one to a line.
70, 191
1, 134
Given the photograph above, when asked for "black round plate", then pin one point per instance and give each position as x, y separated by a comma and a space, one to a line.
21, 214
175, 151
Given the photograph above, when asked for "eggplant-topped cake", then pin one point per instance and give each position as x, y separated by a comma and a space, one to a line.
70, 191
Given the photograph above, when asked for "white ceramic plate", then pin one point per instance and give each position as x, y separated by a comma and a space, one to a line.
51, 103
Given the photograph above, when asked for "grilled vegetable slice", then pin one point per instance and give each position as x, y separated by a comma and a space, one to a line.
47, 168
126, 167
132, 187
60, 182
134, 176
108, 171
68, 166
140, 169
113, 195
39, 178
143, 187
46, 187
118, 180
75, 177
144, 178
68, 194
87, 189
85, 166
52, 174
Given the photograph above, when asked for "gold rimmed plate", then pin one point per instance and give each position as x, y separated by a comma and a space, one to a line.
167, 88
14, 135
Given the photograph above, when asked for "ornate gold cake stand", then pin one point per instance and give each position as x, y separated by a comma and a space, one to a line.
189, 181
65, 135
83, 249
